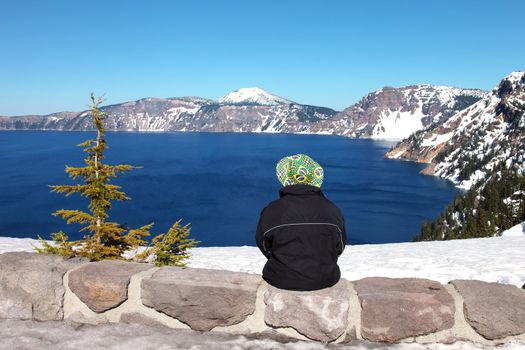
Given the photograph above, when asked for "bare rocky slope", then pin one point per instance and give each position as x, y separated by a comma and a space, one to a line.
476, 141
387, 113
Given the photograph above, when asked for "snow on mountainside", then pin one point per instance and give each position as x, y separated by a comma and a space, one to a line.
395, 113
253, 95
427, 104
471, 144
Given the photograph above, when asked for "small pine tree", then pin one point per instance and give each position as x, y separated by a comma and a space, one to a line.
105, 239
62, 245
172, 247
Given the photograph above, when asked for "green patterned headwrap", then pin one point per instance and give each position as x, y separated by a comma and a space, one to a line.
299, 169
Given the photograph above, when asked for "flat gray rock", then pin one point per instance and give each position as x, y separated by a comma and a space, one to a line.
78, 317
494, 310
398, 308
320, 315
103, 285
138, 318
31, 286
201, 298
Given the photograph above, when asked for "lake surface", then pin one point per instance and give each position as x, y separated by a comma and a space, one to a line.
218, 182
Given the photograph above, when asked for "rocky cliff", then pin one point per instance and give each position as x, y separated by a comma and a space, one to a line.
476, 141
395, 113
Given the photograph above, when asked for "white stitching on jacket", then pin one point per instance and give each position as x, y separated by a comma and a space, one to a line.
306, 223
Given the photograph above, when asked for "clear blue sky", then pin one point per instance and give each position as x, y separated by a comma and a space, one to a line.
328, 53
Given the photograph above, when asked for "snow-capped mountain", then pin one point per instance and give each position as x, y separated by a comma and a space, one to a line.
244, 110
387, 113
395, 113
476, 141
255, 96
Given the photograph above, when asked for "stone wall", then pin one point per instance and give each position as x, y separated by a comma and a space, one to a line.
46, 287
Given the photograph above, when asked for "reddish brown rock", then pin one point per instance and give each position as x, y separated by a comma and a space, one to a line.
201, 298
494, 310
320, 315
394, 309
103, 285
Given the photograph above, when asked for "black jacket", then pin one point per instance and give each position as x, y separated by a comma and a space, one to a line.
302, 234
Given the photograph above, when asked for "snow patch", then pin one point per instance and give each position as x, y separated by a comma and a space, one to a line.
253, 95
515, 231
398, 154
397, 125
437, 139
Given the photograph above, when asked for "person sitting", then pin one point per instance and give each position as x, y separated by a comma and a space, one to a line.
302, 233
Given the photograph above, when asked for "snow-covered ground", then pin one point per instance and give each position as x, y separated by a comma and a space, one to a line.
496, 259
518, 230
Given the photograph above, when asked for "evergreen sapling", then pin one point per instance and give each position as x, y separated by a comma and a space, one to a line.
105, 239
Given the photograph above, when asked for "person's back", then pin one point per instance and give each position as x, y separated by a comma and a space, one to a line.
302, 233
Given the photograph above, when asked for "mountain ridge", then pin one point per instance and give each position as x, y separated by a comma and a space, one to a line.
255, 110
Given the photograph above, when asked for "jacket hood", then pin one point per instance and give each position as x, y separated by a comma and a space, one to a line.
300, 190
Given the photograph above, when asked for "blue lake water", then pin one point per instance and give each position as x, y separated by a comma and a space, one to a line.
218, 182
